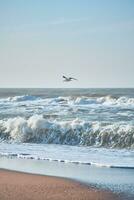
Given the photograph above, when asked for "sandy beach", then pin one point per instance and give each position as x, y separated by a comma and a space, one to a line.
23, 186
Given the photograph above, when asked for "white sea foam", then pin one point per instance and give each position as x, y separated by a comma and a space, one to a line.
94, 129
99, 157
121, 101
20, 98
36, 129
91, 121
83, 100
105, 101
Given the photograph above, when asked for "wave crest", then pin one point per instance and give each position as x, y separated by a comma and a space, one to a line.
22, 98
75, 101
36, 129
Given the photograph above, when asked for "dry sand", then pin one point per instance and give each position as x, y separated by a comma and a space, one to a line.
23, 186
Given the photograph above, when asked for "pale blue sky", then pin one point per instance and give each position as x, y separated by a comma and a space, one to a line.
41, 40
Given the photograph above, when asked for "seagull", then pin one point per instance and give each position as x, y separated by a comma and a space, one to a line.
68, 79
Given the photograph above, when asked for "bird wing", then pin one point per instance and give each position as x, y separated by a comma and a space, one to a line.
73, 79
64, 77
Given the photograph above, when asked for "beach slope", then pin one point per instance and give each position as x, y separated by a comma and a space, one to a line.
23, 186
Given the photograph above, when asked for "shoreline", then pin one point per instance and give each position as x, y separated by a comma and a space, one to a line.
84, 175
20, 185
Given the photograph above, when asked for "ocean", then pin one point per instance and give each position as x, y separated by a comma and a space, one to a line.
91, 128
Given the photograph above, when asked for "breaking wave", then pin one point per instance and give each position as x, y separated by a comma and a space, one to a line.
106, 101
83, 100
21, 98
36, 129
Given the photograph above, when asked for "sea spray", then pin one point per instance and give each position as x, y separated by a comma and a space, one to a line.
37, 129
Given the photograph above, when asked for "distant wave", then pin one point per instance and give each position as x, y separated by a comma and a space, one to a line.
70, 100
21, 98
106, 101
36, 129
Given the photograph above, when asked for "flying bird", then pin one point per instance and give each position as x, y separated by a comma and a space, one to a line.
68, 79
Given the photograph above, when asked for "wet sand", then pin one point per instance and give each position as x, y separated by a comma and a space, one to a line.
23, 186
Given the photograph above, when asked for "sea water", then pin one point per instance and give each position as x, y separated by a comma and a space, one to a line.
88, 127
